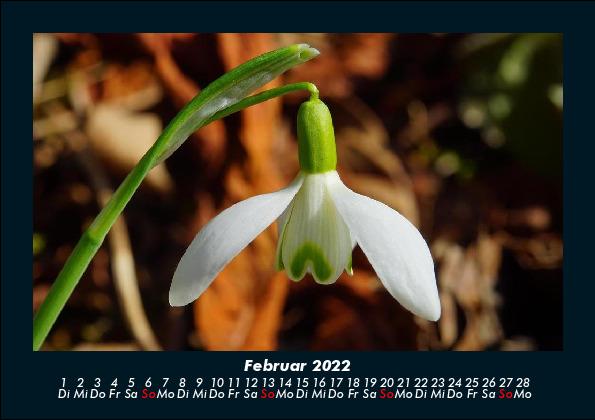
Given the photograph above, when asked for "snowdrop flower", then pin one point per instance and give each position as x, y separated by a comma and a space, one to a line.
320, 222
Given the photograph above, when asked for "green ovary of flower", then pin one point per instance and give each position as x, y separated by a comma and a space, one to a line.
316, 138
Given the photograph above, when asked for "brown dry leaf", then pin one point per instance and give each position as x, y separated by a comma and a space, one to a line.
121, 137
86, 40
448, 323
518, 344
422, 121
224, 313
45, 48
181, 87
268, 318
106, 347
467, 278
544, 251
343, 57
134, 87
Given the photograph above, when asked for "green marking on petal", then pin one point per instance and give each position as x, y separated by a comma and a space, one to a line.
312, 253
349, 266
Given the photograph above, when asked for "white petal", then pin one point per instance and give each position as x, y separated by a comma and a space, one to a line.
394, 247
315, 238
223, 238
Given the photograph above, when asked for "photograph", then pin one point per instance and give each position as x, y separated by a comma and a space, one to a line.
307, 192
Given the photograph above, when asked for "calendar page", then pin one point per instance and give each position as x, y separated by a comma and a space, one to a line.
296, 210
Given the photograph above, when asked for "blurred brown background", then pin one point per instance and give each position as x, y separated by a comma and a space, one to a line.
462, 133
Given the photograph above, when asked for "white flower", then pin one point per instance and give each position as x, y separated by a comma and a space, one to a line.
320, 222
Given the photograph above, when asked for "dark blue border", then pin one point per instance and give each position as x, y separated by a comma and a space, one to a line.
563, 381
296, 16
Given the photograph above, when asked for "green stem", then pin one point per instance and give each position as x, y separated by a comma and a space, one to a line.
93, 237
